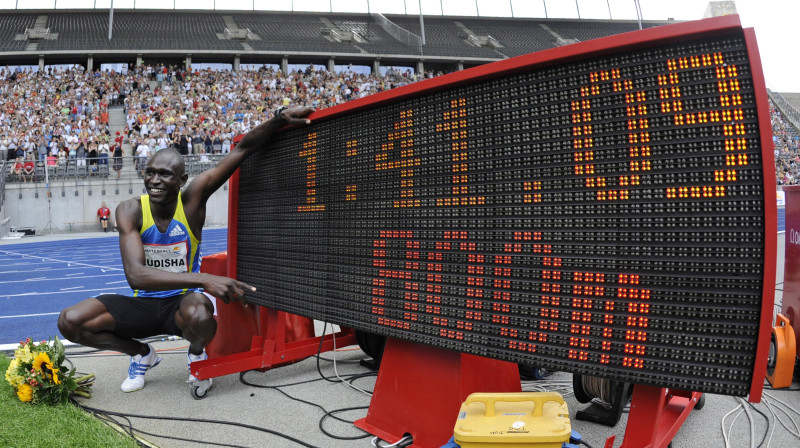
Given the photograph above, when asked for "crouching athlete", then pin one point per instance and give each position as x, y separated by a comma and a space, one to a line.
159, 239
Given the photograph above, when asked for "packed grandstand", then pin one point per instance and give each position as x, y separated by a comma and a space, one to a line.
195, 80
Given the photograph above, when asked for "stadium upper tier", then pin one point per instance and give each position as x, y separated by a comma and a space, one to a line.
323, 34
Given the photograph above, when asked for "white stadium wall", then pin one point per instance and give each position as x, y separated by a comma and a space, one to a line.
27, 205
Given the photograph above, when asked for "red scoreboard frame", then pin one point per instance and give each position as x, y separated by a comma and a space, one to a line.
584, 302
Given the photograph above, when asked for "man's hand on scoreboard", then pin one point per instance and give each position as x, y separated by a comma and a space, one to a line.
226, 289
295, 115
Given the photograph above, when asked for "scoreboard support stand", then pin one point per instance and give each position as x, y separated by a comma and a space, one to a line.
420, 389
276, 337
656, 415
273, 349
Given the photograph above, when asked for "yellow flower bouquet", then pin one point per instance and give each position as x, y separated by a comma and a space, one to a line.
37, 373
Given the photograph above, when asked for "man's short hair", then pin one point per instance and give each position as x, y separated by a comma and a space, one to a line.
174, 154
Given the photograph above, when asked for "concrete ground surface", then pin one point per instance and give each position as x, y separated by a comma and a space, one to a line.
166, 397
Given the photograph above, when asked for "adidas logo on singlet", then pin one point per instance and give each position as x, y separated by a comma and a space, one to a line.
177, 231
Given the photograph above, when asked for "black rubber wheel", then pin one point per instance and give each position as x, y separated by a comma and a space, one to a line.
772, 356
577, 387
372, 344
197, 395
700, 402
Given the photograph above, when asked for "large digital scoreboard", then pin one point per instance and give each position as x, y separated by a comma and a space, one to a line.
605, 208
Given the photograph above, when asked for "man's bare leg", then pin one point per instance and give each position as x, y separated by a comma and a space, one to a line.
89, 323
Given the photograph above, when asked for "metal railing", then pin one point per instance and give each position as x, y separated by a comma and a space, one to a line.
99, 168
3, 183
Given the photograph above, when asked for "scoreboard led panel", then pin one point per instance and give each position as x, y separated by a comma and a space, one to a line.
604, 208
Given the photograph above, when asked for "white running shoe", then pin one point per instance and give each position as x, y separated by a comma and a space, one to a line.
194, 358
198, 387
139, 366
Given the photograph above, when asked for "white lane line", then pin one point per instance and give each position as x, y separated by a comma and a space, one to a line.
29, 315
70, 263
113, 283
25, 294
71, 287
73, 274
116, 274
57, 269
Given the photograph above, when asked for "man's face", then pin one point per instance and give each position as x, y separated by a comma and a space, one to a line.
164, 177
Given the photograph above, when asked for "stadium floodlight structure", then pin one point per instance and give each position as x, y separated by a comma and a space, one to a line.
638, 12
111, 20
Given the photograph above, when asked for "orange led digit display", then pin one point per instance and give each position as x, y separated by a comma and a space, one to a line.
309, 154
604, 213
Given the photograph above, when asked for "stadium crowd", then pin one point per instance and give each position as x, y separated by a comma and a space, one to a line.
61, 117
787, 149
55, 116
202, 112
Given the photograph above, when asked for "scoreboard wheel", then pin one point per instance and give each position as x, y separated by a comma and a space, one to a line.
700, 402
372, 345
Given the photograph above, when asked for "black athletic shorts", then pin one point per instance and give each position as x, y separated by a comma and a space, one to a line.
141, 317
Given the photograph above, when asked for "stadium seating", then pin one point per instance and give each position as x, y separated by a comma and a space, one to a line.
10, 26
518, 37
591, 29
292, 32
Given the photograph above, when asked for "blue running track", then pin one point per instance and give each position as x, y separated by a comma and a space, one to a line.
39, 279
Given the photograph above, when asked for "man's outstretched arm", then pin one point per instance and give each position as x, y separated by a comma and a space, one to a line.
206, 183
141, 276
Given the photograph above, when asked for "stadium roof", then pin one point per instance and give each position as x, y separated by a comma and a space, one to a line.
774, 22
586, 9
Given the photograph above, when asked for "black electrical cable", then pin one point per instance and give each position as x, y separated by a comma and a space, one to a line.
108, 421
319, 351
243, 381
357, 376
96, 350
277, 388
322, 377
131, 430
583, 442
340, 361
195, 420
346, 377
766, 431
362, 375
402, 443
330, 414
201, 442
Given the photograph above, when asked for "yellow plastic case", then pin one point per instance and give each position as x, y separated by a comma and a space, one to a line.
513, 420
